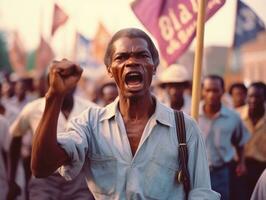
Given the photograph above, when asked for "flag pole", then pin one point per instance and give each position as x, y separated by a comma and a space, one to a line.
198, 60
230, 56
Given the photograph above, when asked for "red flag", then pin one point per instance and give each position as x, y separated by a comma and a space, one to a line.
172, 23
59, 18
100, 42
17, 55
44, 55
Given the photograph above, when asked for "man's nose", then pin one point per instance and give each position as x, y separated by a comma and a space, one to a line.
132, 62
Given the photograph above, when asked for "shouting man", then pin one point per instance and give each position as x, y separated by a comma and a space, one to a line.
127, 150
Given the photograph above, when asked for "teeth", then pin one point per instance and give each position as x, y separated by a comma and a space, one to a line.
133, 77
134, 73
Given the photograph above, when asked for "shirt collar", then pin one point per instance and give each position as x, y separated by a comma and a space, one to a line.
244, 112
222, 113
162, 113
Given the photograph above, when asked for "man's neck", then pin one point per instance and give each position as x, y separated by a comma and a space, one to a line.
256, 115
211, 110
178, 104
137, 108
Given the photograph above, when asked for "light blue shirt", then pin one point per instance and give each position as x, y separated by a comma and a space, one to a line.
222, 134
97, 143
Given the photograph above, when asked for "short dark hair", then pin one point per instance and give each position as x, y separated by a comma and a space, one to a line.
259, 85
238, 85
131, 33
214, 77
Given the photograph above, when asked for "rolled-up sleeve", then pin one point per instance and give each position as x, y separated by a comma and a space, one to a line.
75, 142
198, 165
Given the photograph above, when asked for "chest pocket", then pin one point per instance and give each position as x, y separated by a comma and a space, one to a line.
103, 171
160, 174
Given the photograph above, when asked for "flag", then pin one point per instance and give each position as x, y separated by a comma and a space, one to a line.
17, 55
59, 18
99, 43
172, 23
44, 56
248, 25
82, 52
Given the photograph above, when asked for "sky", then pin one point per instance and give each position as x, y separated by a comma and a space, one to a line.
32, 17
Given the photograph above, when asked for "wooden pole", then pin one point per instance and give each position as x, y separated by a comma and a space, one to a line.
198, 60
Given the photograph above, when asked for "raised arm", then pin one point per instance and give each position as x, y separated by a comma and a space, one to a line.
47, 155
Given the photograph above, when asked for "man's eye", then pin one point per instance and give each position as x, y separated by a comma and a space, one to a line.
120, 57
143, 56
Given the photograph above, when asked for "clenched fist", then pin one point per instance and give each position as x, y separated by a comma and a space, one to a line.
63, 77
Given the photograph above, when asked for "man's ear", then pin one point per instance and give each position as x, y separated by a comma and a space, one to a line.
154, 70
109, 71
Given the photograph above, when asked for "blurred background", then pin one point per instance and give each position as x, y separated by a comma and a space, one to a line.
31, 37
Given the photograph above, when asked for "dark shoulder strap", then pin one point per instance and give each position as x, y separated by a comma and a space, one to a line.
182, 150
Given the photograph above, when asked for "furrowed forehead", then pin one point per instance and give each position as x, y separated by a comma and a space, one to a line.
129, 45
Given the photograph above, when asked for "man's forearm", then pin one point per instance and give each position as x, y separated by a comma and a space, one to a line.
47, 156
14, 155
240, 154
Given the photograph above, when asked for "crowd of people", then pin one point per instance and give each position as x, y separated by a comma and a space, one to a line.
119, 142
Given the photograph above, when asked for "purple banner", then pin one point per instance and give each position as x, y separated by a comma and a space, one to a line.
172, 23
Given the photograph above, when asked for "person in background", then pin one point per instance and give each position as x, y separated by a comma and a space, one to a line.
238, 92
6, 110
107, 90
254, 117
53, 187
223, 132
174, 80
128, 149
21, 94
3, 164
87, 87
8, 89
40, 86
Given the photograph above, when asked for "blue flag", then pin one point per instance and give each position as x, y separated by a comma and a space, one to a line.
248, 25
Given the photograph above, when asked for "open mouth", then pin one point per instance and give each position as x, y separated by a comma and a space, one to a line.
134, 79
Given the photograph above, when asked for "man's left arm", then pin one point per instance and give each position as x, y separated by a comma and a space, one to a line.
241, 167
198, 165
241, 137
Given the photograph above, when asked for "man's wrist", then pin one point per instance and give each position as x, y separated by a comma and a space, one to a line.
50, 94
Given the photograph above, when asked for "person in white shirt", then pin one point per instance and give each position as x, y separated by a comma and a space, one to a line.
54, 186
3, 171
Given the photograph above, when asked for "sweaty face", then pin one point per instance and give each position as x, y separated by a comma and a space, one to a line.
132, 66
212, 91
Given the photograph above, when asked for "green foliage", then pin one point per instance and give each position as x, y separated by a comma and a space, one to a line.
4, 61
